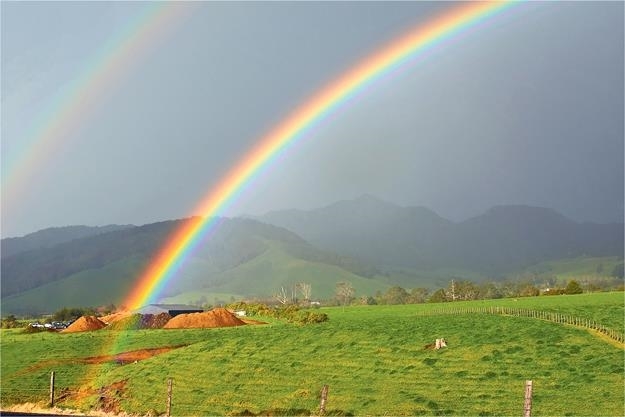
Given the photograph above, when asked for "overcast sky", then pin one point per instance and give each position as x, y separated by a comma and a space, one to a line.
526, 108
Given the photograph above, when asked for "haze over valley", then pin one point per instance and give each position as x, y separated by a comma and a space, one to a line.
371, 243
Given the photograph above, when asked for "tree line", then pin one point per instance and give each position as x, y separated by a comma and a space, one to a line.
465, 290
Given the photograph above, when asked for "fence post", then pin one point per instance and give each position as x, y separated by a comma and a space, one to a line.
324, 400
52, 389
169, 389
527, 405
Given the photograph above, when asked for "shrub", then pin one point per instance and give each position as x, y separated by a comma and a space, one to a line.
573, 287
31, 329
310, 317
10, 322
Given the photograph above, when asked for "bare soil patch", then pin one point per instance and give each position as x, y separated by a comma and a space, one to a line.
122, 358
85, 324
128, 357
113, 317
219, 317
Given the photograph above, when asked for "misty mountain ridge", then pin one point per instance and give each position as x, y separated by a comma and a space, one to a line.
502, 239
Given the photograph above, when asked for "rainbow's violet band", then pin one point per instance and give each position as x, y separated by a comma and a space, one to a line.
407, 47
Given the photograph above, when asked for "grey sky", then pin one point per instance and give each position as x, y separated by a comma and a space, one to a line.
524, 109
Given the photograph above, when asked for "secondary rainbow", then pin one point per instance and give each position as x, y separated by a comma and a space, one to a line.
75, 103
182, 241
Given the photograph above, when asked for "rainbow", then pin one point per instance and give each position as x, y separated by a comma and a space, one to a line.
170, 257
73, 105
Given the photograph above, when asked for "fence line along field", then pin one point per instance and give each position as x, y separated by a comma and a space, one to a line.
373, 359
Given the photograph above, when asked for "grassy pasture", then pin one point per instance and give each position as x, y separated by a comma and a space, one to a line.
575, 268
371, 357
607, 308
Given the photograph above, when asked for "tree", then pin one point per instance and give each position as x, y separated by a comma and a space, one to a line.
439, 296
573, 287
344, 292
305, 289
419, 295
395, 295
529, 291
281, 296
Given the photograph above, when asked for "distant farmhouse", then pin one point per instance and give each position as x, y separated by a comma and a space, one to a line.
171, 309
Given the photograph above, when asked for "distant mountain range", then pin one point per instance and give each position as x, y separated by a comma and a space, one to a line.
503, 239
369, 242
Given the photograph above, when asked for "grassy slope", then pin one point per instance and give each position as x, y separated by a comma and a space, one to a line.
372, 358
606, 308
261, 276
586, 267
87, 288
265, 274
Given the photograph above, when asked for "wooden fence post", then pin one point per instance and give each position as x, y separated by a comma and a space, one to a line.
527, 405
52, 389
324, 400
169, 389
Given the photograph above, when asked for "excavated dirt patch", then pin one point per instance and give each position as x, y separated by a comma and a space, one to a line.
122, 358
219, 317
128, 357
84, 324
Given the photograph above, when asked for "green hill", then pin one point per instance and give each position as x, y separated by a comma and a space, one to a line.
276, 268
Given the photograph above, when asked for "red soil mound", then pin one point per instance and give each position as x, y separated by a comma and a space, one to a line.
219, 317
84, 324
113, 317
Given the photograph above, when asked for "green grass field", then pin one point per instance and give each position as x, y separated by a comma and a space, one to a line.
575, 268
372, 358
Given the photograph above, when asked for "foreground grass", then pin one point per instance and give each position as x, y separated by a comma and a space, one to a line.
372, 358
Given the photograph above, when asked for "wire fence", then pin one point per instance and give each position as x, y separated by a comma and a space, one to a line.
553, 317
183, 398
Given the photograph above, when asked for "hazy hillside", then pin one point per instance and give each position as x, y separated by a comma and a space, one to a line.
243, 256
53, 236
373, 230
501, 240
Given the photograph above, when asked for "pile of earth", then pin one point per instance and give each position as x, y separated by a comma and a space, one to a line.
219, 317
110, 318
140, 321
84, 324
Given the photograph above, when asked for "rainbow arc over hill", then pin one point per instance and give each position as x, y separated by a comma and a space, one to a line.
399, 52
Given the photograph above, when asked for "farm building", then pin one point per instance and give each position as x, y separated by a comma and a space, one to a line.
171, 309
